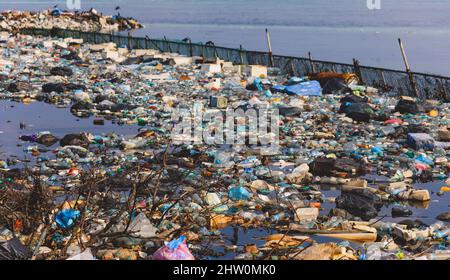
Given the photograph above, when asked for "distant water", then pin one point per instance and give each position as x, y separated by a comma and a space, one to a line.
331, 30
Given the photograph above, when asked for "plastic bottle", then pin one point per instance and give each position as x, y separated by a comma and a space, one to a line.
333, 180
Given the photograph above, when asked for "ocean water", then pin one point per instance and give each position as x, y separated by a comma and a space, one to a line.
330, 30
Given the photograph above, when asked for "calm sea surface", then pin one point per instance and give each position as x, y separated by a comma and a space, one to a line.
331, 30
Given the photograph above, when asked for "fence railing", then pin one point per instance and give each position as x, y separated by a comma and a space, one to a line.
428, 85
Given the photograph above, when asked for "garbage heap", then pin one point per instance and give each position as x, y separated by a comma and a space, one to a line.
110, 196
88, 21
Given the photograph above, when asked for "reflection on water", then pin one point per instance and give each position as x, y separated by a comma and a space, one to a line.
38, 116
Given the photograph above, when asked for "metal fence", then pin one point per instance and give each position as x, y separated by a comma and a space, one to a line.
428, 85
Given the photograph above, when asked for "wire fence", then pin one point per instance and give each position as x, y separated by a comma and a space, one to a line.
428, 85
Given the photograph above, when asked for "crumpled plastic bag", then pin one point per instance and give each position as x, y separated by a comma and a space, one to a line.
14, 250
66, 218
175, 250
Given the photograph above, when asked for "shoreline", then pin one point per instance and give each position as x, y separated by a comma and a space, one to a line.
90, 20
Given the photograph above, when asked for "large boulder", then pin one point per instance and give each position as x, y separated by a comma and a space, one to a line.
360, 202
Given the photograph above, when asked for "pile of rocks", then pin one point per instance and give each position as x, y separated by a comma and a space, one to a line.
88, 21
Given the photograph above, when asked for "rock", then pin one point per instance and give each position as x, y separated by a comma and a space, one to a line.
360, 202
443, 135
361, 112
445, 217
407, 105
75, 140
335, 86
99, 122
400, 212
410, 224
61, 71
53, 87
61, 87
19, 86
47, 140
331, 167
82, 106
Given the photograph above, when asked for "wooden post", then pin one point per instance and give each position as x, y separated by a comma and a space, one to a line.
311, 62
408, 70
216, 54
385, 85
203, 52
358, 70
129, 41
444, 91
241, 55
168, 45
269, 46
190, 47
334, 68
292, 67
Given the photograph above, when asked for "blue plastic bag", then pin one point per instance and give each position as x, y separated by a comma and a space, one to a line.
377, 151
425, 160
278, 88
66, 218
56, 12
258, 84
310, 88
